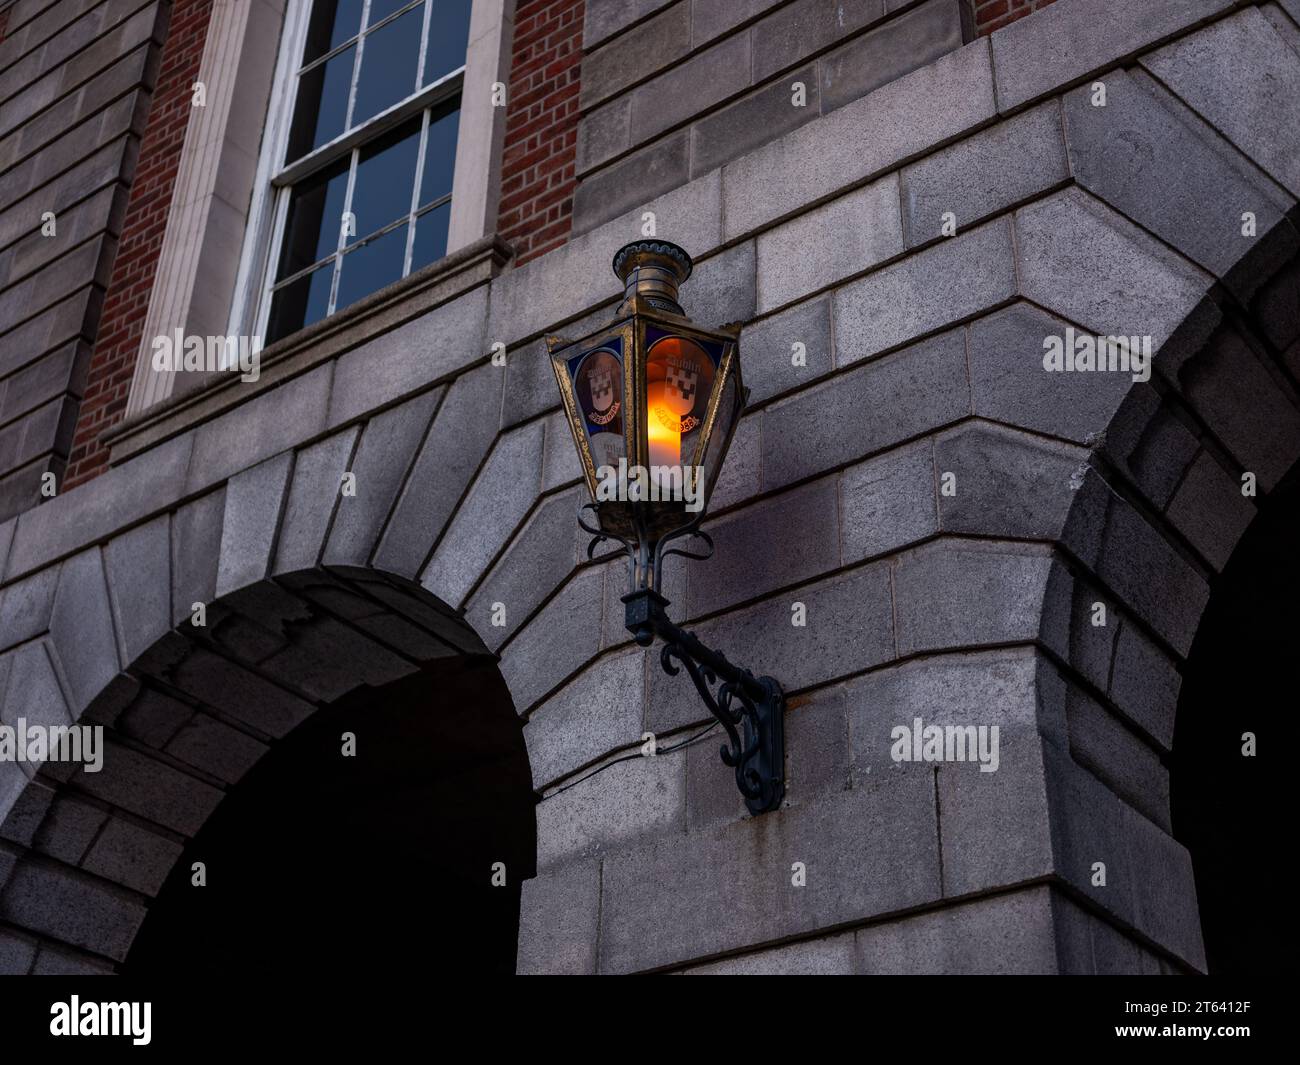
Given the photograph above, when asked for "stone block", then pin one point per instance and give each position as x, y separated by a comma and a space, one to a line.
753, 120
502, 493
830, 956
764, 639
138, 567
462, 433
924, 293
898, 121
151, 789
388, 445
1210, 510
1161, 166
1006, 935
733, 885
899, 46
55, 901
33, 690
253, 504
1065, 43
1144, 683
1130, 767
131, 855
722, 289
959, 593
243, 695
313, 495
1005, 483
81, 627
25, 607
631, 801
271, 422
563, 637
984, 174
887, 502
1243, 78
216, 748
153, 718
740, 476
633, 56
411, 357
622, 187
1150, 442
804, 27
196, 552
598, 712
560, 463
605, 18
773, 544
768, 350
885, 402
847, 236
690, 87
16, 953
558, 920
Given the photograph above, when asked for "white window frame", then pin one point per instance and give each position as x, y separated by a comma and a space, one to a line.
197, 253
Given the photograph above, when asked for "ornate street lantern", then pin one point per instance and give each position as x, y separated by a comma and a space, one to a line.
652, 401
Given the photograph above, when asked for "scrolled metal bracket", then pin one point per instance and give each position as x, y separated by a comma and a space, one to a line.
751, 709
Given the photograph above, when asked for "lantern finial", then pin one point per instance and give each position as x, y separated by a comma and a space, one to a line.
652, 269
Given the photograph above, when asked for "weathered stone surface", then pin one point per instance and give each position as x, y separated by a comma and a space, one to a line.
253, 502
856, 603
598, 712
153, 718
1144, 683
411, 357
799, 29
907, 393
196, 551
768, 349
16, 953
690, 87
26, 605
152, 790
778, 542
832, 956
925, 292
535, 661
984, 174
740, 476
138, 566
1067, 243
216, 748
844, 237
1150, 442
712, 18
1067, 42
887, 502
70, 907
1127, 765
1210, 510
955, 593
243, 695
733, 884
655, 43
462, 432
264, 426
560, 463
558, 916
1242, 76
621, 187
1149, 882
538, 560
605, 18
1167, 170
1005, 935
631, 801
899, 46
1005, 483
81, 627
754, 120
388, 445
902, 119
313, 495
133, 856
499, 498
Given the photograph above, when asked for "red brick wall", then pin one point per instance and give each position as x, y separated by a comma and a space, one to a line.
992, 15
541, 142
117, 345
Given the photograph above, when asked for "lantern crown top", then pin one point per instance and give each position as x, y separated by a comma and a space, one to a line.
652, 270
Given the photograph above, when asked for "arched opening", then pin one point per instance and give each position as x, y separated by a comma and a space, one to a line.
1236, 681
321, 861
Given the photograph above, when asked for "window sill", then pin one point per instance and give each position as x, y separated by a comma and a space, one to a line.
200, 397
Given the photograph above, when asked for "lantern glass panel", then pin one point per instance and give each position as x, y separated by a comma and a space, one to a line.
597, 376
730, 403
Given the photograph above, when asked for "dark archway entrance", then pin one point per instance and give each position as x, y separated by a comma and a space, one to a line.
1239, 678
320, 863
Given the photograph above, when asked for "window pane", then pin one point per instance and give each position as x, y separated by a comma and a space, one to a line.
388, 64
430, 236
381, 9
332, 23
448, 38
315, 218
300, 303
385, 178
321, 111
372, 266
440, 154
